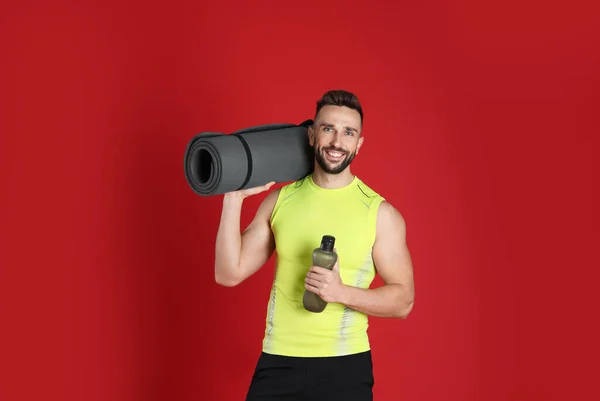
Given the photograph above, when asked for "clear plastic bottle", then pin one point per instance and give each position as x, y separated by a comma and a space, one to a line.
325, 257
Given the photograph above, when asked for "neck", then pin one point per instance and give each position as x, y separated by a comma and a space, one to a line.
332, 181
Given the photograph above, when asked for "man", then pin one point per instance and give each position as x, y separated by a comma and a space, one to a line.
326, 355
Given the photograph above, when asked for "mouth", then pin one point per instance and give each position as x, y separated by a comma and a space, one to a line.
334, 156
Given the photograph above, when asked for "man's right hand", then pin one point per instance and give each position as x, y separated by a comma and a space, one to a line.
244, 193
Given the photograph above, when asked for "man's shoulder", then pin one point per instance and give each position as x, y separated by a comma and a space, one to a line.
388, 211
389, 218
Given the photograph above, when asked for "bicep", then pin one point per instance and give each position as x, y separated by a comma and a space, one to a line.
390, 252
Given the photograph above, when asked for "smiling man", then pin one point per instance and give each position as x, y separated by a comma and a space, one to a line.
326, 355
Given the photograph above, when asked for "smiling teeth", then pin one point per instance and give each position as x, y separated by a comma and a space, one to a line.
334, 154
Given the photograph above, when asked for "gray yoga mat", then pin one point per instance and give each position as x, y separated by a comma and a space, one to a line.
216, 163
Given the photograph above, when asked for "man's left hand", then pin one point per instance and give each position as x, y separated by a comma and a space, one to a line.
325, 283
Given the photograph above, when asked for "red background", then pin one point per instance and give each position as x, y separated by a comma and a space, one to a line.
480, 124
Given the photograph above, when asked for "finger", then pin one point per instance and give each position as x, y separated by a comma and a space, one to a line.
250, 191
257, 190
319, 270
311, 288
317, 278
313, 283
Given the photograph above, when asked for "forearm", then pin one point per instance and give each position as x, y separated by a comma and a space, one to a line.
229, 242
390, 300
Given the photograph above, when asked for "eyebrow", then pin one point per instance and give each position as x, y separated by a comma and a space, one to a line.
332, 126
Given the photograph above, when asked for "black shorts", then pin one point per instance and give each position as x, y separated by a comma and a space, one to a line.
347, 378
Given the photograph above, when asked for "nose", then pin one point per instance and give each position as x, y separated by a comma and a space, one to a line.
335, 140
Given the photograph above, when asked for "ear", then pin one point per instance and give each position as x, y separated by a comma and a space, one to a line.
311, 136
360, 142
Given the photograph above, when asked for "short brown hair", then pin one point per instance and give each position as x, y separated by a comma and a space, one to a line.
340, 97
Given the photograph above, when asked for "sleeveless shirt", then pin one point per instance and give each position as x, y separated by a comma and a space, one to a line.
302, 215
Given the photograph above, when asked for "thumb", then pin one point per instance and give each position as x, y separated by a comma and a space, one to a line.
336, 266
264, 187
267, 186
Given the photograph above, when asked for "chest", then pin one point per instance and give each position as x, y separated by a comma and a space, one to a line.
299, 227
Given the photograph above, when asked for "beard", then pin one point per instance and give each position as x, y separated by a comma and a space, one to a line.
332, 168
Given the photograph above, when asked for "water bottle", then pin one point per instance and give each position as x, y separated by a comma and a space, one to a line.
325, 257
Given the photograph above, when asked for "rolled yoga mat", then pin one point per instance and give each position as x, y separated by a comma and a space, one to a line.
216, 163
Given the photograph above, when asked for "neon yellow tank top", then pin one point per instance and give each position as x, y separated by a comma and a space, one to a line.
302, 214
